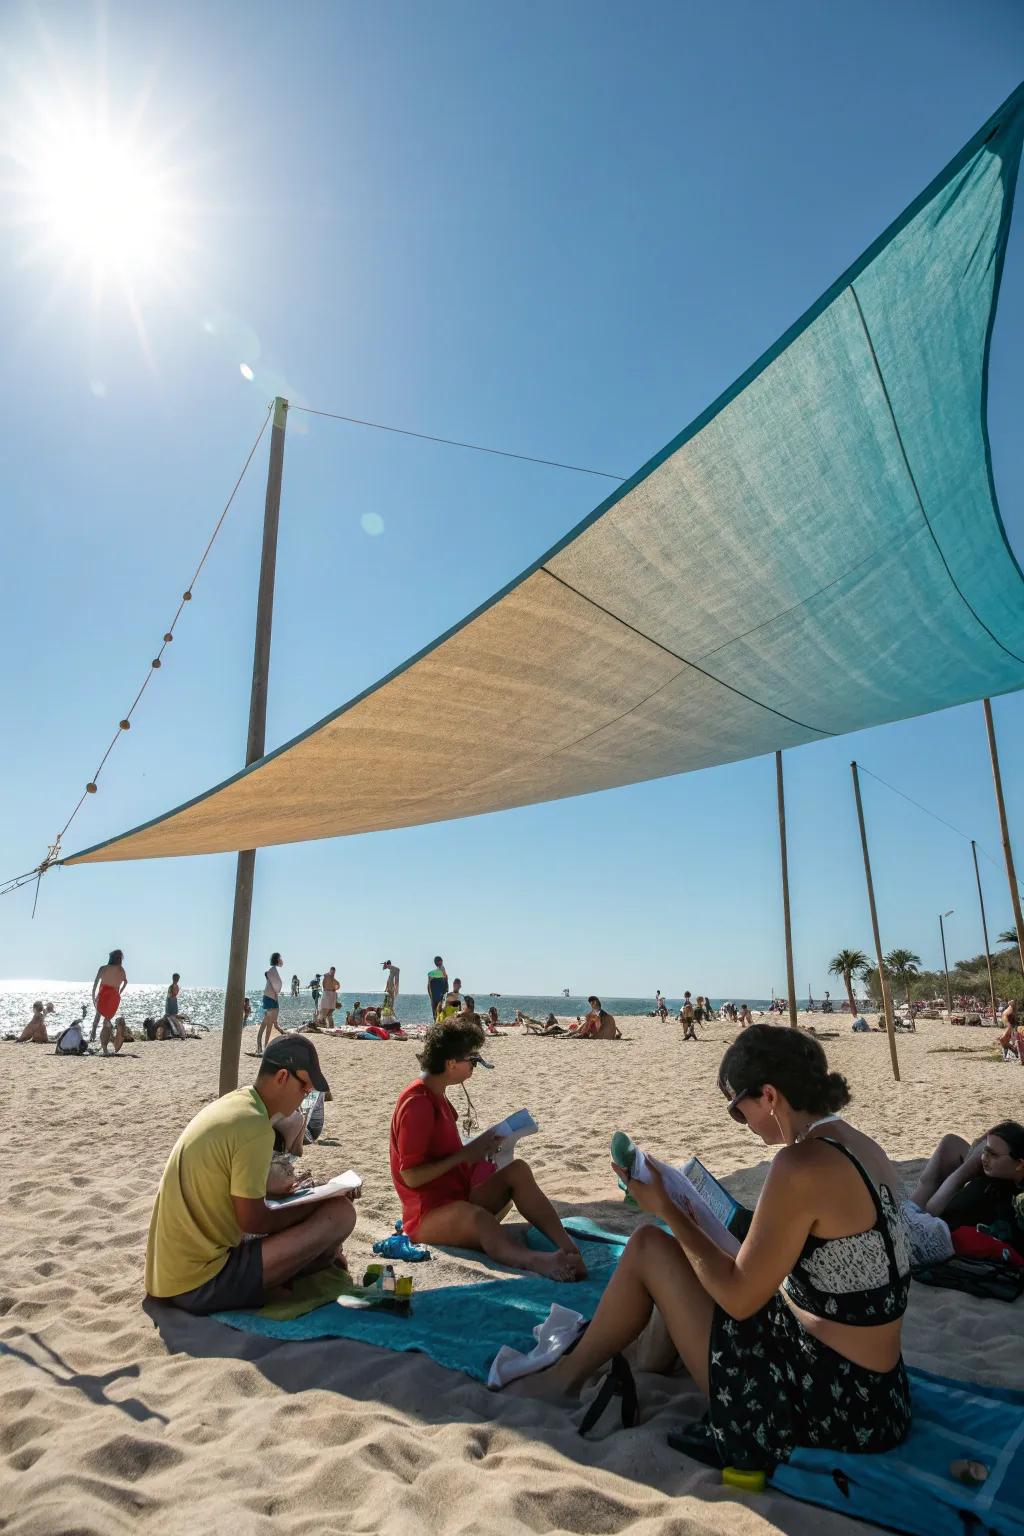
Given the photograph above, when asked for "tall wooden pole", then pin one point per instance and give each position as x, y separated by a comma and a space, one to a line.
883, 980
234, 992
1004, 830
945, 962
984, 932
790, 983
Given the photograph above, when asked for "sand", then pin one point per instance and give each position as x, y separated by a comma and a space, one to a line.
115, 1419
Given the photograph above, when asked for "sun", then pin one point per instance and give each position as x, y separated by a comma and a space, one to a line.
97, 202
100, 201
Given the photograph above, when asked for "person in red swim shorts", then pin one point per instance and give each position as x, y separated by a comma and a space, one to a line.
110, 982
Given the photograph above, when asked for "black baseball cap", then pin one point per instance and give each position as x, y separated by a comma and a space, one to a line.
296, 1052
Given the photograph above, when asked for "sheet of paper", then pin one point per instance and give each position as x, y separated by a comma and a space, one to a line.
341, 1184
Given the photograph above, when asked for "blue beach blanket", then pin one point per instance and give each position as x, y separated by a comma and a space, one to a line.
910, 1489
462, 1327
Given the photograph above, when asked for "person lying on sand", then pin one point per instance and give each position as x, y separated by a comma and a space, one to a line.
212, 1196
532, 1026
447, 1197
979, 1185
598, 1024
795, 1338
34, 1032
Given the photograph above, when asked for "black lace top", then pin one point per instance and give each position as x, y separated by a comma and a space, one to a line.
863, 1279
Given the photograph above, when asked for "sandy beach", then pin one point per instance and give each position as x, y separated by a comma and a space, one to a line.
116, 1418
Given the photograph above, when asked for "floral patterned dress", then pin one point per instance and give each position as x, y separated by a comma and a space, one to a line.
774, 1386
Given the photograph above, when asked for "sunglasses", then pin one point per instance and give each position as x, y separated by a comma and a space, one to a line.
734, 1103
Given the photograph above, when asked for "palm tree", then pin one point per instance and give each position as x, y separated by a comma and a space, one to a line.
849, 963
903, 964
1008, 936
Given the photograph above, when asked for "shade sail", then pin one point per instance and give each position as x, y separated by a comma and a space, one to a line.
820, 551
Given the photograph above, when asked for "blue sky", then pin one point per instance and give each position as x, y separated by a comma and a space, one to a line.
561, 230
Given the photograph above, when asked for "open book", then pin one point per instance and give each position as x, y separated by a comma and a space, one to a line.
341, 1184
696, 1192
511, 1130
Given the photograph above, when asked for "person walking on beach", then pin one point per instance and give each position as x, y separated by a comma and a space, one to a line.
171, 1000
108, 985
437, 985
660, 1005
212, 1197
315, 990
271, 1002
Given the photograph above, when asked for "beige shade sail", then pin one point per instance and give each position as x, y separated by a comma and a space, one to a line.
819, 552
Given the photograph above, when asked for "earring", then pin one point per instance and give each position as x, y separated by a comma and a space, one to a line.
779, 1124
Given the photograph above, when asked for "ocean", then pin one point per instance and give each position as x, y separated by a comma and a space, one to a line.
205, 1005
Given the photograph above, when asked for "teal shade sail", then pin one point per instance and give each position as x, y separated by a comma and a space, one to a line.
820, 551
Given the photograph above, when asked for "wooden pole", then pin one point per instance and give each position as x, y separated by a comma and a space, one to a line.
790, 983
238, 955
1004, 830
883, 981
945, 962
984, 932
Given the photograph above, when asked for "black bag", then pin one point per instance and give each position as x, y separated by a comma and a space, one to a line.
990, 1278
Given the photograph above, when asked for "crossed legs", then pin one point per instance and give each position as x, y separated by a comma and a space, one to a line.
310, 1244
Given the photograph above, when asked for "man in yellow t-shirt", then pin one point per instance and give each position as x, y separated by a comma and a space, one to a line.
212, 1197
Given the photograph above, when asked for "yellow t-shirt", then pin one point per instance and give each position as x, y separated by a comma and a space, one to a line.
225, 1150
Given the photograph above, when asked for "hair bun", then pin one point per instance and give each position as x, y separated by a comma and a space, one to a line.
837, 1091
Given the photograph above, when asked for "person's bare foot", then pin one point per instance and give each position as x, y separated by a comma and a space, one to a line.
558, 1266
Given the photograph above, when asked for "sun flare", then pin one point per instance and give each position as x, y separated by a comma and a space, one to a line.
95, 201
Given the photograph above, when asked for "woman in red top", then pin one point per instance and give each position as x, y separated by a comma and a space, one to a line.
433, 1171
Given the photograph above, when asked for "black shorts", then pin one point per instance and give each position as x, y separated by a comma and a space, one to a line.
239, 1284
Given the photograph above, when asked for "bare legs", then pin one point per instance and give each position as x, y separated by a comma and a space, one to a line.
474, 1223
318, 1237
946, 1159
113, 1032
653, 1272
268, 1023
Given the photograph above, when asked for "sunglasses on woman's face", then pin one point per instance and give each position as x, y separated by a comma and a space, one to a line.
734, 1103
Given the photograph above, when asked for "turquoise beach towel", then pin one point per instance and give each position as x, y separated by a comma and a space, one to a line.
910, 1489
462, 1327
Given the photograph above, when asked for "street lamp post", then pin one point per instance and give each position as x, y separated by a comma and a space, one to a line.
945, 963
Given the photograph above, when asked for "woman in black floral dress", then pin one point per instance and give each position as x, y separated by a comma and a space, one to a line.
795, 1338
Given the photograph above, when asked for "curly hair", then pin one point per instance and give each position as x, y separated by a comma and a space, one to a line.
448, 1038
791, 1061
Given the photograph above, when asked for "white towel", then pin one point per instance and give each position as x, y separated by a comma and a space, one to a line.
559, 1329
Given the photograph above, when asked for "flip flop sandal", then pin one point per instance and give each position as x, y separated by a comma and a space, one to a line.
618, 1383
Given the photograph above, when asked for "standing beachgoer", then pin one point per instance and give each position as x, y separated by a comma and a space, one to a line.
315, 990
295, 986
108, 985
171, 1000
246, 1012
329, 1001
271, 1003
437, 985
390, 990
